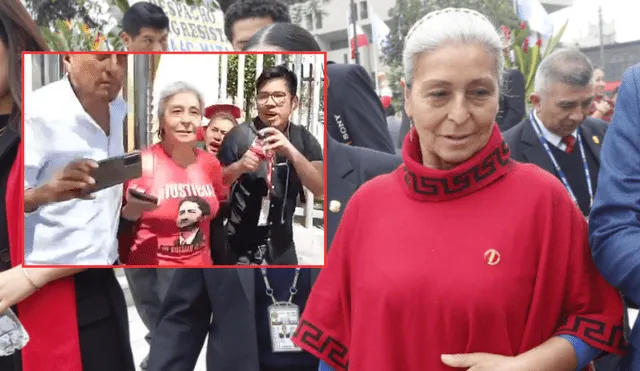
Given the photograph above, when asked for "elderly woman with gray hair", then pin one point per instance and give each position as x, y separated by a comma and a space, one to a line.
471, 260
167, 212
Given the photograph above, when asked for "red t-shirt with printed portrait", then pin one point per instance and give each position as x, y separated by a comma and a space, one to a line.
177, 232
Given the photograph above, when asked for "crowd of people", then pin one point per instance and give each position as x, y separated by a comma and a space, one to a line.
484, 245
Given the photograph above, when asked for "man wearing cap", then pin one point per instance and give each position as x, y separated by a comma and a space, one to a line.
223, 117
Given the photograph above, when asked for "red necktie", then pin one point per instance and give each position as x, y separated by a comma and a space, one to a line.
570, 141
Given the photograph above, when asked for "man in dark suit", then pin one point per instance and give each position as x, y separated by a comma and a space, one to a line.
512, 100
347, 169
356, 115
231, 305
559, 135
563, 93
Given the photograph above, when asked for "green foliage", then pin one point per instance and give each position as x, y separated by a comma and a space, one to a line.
249, 78
528, 57
73, 36
405, 13
48, 12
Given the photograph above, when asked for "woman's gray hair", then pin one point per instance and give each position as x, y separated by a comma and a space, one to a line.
568, 66
451, 25
177, 88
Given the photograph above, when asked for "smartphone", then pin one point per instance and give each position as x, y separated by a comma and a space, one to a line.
143, 196
117, 170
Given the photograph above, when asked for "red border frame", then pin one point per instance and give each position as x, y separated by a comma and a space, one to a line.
189, 266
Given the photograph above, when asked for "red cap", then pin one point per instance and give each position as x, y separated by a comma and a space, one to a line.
386, 101
210, 111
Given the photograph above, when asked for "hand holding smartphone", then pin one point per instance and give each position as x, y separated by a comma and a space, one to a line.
135, 193
116, 170
137, 203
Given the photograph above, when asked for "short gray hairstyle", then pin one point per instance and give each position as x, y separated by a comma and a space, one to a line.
451, 25
568, 66
177, 88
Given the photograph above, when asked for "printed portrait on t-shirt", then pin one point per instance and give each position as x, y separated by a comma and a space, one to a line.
191, 211
190, 208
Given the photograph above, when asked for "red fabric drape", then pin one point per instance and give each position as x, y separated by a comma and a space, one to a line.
49, 315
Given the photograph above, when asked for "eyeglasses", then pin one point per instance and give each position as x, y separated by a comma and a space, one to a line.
278, 98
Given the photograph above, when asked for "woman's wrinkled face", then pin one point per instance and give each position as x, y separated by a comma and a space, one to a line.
453, 102
182, 117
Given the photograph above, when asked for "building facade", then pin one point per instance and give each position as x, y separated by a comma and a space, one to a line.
330, 29
617, 58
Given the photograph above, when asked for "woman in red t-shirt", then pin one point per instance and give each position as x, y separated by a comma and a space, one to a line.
185, 181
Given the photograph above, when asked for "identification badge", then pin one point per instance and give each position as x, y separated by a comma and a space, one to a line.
283, 321
263, 219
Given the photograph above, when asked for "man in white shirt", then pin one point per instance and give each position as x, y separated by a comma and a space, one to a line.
69, 126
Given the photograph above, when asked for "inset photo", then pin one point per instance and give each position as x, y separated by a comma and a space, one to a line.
174, 160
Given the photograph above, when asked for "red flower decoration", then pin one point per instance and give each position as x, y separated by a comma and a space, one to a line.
523, 25
539, 42
525, 45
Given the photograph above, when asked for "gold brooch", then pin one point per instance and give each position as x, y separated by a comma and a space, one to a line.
492, 257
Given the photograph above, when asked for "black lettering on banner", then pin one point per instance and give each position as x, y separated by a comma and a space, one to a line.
202, 30
193, 10
179, 10
174, 27
221, 35
324, 344
186, 11
194, 30
461, 182
204, 16
172, 9
185, 29
213, 33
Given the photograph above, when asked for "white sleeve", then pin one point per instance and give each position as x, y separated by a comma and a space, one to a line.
35, 150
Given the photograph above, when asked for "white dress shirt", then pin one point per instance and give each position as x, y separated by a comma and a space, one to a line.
552, 138
57, 131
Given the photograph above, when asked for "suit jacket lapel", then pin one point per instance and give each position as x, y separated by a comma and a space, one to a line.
247, 279
342, 182
535, 153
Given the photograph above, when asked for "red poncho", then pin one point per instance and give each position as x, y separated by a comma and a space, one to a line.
48, 315
177, 232
491, 256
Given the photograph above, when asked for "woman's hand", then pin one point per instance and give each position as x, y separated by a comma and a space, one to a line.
482, 362
135, 206
14, 287
603, 107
